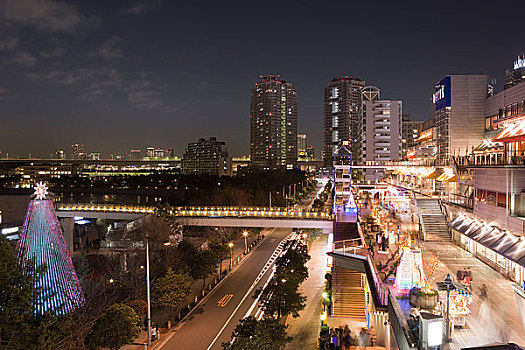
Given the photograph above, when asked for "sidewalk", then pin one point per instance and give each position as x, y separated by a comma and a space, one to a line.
160, 316
306, 328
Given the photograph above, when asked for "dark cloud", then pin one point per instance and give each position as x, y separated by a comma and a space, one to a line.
23, 58
109, 49
142, 6
44, 15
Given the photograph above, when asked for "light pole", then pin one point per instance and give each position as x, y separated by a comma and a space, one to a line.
231, 254
448, 282
305, 236
148, 298
245, 234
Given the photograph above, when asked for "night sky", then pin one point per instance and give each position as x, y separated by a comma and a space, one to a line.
116, 75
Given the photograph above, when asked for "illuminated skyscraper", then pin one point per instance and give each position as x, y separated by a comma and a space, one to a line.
342, 117
273, 124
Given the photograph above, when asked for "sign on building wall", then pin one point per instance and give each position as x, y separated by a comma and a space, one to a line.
441, 96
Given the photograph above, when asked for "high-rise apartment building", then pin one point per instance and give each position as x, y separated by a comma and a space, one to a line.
273, 124
60, 154
460, 113
381, 130
342, 117
150, 152
77, 151
516, 74
207, 157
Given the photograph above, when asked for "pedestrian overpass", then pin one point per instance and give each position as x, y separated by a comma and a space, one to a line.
203, 216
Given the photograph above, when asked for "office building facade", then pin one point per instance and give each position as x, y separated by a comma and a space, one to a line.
207, 157
460, 113
273, 124
410, 133
342, 117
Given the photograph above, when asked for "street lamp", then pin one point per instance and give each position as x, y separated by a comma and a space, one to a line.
245, 234
148, 297
305, 236
231, 254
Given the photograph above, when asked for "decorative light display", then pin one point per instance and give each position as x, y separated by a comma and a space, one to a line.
410, 270
42, 244
41, 190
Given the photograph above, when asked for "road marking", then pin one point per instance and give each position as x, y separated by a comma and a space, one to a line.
279, 248
224, 300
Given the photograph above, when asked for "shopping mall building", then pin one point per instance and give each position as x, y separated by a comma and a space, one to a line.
476, 166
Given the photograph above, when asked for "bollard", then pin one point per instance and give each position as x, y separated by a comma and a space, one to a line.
196, 299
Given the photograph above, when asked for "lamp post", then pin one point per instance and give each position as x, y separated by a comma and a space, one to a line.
231, 254
245, 234
148, 297
448, 283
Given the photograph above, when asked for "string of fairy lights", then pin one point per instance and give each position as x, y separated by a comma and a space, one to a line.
42, 244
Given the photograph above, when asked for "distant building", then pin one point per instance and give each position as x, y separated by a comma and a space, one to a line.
207, 157
411, 130
158, 153
150, 152
273, 124
516, 74
60, 154
381, 139
170, 153
134, 154
310, 152
301, 145
94, 156
342, 117
77, 151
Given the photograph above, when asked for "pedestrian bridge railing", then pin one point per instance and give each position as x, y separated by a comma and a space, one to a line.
246, 212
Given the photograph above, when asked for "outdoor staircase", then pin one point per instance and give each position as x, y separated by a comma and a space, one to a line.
434, 222
348, 294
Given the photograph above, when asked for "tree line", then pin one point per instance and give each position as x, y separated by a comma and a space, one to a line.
279, 299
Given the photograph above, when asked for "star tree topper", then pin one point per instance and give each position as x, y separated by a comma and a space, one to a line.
40, 190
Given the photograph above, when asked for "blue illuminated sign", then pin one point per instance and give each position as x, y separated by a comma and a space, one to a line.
441, 96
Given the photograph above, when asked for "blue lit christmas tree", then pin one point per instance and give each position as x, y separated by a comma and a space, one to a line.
42, 244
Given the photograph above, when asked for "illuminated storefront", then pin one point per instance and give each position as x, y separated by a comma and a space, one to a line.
500, 249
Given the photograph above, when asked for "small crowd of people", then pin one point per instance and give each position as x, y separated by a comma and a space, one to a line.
464, 276
342, 338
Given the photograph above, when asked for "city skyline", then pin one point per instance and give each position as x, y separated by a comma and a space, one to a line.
135, 74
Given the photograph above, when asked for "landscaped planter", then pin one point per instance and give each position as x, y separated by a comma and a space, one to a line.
423, 300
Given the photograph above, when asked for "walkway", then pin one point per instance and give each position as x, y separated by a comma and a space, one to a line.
493, 320
305, 329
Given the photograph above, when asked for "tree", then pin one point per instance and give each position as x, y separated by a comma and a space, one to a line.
117, 326
19, 326
202, 265
266, 334
140, 306
170, 290
281, 298
292, 265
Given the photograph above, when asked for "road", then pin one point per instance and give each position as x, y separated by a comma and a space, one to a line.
214, 321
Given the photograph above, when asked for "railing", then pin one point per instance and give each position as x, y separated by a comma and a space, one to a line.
262, 212
404, 337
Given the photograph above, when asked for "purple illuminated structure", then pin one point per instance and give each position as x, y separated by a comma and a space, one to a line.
42, 244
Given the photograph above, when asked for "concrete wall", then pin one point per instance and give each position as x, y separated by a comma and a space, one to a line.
467, 114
